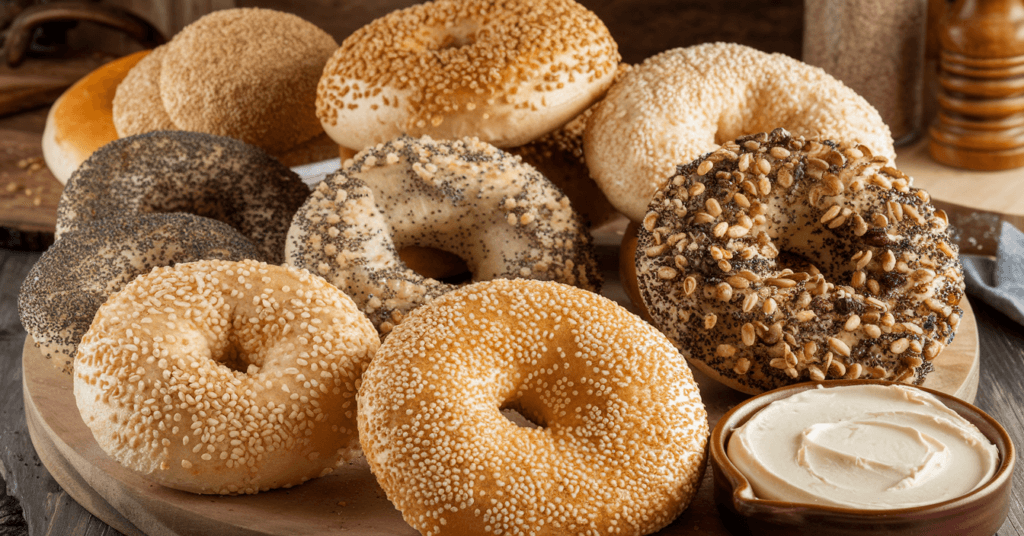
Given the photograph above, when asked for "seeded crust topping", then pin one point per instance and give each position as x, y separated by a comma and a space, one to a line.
507, 72
138, 107
247, 73
464, 197
776, 259
622, 430
225, 377
73, 278
177, 171
684, 102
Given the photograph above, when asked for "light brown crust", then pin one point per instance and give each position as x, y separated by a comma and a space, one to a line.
506, 72
225, 377
138, 107
871, 289
81, 120
620, 448
315, 149
247, 73
682, 103
464, 196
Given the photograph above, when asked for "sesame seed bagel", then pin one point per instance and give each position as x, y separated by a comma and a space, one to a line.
776, 259
72, 279
464, 197
506, 72
177, 171
225, 377
137, 107
247, 73
622, 430
684, 102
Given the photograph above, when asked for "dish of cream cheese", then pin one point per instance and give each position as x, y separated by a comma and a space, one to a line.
862, 446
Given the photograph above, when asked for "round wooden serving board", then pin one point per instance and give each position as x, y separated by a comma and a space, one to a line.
349, 501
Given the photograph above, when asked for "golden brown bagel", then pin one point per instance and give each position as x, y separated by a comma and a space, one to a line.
80, 120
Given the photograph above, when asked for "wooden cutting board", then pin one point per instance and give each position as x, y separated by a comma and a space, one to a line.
349, 502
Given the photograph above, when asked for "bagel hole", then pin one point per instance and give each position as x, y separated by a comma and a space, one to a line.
518, 419
233, 358
456, 41
460, 35
436, 264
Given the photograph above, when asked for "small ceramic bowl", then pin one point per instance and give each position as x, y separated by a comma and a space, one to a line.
978, 513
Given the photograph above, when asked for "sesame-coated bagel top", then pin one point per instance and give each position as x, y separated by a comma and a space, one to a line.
683, 102
225, 377
247, 73
506, 72
622, 430
138, 107
776, 259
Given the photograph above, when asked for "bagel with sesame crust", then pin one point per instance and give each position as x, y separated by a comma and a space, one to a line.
223, 377
619, 446
684, 102
776, 259
247, 73
464, 197
506, 72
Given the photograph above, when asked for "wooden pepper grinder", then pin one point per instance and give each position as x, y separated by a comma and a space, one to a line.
980, 124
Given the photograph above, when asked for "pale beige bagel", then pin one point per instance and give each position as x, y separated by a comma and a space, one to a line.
622, 430
80, 120
506, 72
225, 377
684, 102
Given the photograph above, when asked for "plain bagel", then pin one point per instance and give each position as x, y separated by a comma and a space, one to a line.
81, 119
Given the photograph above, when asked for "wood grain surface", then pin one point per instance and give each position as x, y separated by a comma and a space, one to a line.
50, 510
349, 501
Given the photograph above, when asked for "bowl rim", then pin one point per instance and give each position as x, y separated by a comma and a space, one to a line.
739, 483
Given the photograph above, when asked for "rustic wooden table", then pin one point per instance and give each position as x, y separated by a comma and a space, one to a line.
31, 501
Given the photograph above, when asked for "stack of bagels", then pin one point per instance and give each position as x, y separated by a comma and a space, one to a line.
235, 331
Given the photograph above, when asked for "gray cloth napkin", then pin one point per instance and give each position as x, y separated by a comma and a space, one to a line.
999, 282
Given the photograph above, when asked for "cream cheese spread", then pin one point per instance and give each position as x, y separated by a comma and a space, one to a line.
862, 446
